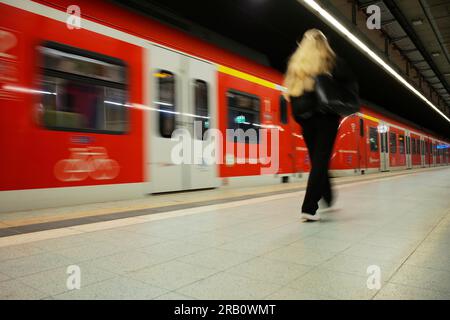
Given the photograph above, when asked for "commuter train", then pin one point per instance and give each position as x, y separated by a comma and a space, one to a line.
88, 112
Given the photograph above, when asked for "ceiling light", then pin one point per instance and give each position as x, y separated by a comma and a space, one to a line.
417, 22
435, 54
362, 46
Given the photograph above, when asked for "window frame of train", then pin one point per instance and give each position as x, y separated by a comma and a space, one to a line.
392, 142
68, 66
167, 108
401, 144
284, 119
373, 139
202, 110
230, 94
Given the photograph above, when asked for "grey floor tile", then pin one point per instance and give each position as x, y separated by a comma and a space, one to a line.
174, 296
435, 242
172, 249
317, 244
281, 237
342, 235
135, 241
18, 251
392, 291
378, 252
63, 242
250, 246
334, 284
16, 290
227, 286
172, 275
53, 282
244, 230
33, 264
287, 293
420, 277
208, 238
359, 265
119, 288
216, 258
394, 242
430, 259
90, 251
4, 277
263, 269
301, 256
125, 262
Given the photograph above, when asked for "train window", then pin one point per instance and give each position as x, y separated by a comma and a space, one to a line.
401, 144
413, 146
283, 110
243, 113
373, 139
408, 145
392, 142
361, 127
82, 90
201, 107
166, 102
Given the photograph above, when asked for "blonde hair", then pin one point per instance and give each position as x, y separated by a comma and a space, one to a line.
313, 56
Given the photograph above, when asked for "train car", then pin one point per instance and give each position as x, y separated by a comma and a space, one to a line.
98, 112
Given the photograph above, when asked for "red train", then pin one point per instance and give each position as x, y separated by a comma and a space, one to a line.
87, 113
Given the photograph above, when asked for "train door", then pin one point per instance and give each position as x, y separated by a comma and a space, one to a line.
422, 152
362, 149
433, 153
201, 116
439, 153
287, 148
181, 91
384, 150
427, 152
408, 150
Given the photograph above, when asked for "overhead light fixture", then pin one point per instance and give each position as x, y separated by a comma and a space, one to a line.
435, 54
314, 6
417, 22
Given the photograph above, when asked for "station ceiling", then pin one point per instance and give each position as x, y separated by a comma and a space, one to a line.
269, 29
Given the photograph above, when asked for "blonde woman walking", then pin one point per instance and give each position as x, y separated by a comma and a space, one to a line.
312, 58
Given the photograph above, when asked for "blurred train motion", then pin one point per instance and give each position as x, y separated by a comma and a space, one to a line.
87, 114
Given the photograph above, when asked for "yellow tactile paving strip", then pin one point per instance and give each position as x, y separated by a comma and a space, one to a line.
22, 218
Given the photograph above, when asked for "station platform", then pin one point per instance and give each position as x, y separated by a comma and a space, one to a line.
246, 243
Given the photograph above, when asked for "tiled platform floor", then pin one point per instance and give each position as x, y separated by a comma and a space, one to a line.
253, 249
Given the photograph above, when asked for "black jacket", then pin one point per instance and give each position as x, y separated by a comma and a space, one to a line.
306, 105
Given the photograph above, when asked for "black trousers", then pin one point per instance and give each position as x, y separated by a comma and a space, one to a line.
319, 133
